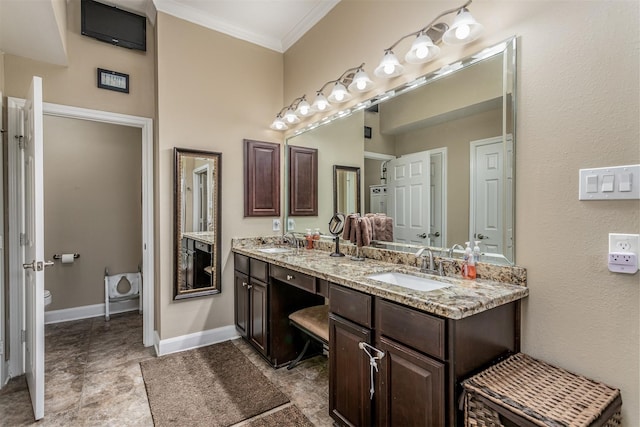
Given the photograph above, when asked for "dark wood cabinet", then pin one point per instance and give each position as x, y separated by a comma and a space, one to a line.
303, 181
350, 402
425, 359
263, 304
411, 388
349, 373
258, 333
241, 299
261, 178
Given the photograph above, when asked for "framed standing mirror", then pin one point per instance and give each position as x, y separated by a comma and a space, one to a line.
196, 223
346, 189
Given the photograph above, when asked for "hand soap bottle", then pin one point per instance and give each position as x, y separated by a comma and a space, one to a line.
471, 264
309, 238
465, 260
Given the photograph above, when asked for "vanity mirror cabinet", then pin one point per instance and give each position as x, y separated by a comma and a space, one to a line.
454, 128
196, 223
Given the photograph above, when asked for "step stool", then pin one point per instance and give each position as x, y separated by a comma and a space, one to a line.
523, 391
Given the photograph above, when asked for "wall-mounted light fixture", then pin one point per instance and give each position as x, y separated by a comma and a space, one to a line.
424, 48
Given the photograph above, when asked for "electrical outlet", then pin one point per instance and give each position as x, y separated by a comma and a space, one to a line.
276, 224
623, 262
624, 243
291, 224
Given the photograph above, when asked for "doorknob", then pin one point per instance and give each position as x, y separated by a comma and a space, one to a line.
436, 234
33, 265
481, 236
422, 236
37, 265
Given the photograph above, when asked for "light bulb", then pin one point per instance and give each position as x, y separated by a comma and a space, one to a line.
339, 96
361, 84
388, 68
304, 110
422, 51
322, 105
463, 31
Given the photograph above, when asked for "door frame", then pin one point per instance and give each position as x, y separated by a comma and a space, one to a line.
16, 297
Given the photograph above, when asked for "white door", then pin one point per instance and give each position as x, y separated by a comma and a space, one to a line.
487, 202
33, 261
408, 197
438, 213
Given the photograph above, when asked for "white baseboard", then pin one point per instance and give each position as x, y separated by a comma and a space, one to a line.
88, 311
195, 340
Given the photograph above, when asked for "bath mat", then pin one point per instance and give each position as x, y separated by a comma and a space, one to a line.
215, 386
290, 416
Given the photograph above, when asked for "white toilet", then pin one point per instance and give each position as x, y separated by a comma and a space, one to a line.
47, 297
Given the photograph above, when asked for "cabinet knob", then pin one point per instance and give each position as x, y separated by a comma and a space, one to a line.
249, 286
290, 277
244, 283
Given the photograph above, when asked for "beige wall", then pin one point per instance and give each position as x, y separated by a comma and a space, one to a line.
76, 84
213, 91
576, 109
93, 184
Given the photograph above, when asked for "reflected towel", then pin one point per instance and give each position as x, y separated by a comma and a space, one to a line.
350, 225
365, 231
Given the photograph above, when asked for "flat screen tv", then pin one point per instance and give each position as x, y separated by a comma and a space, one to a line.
113, 25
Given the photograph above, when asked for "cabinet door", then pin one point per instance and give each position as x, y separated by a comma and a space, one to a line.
411, 387
303, 181
349, 376
261, 178
258, 315
241, 299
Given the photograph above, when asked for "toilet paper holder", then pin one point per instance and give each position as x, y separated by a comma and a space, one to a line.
59, 256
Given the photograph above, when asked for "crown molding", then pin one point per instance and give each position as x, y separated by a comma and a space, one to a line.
191, 14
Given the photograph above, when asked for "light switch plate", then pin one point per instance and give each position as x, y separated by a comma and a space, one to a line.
276, 224
291, 224
610, 183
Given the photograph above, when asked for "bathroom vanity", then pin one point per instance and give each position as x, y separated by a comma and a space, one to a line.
429, 341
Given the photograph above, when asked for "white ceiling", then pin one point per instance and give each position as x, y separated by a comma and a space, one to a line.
274, 24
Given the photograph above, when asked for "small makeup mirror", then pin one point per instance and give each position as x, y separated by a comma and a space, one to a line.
336, 225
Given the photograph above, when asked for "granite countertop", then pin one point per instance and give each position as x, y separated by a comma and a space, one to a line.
464, 298
207, 237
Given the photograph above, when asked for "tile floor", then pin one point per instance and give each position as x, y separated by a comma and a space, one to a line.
93, 378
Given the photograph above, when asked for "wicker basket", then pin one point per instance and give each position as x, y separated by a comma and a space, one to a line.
524, 391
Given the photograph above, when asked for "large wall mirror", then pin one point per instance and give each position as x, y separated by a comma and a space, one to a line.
440, 157
197, 223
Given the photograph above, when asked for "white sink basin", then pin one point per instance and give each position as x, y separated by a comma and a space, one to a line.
409, 281
274, 250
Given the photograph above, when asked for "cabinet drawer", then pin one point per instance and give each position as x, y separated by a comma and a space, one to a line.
410, 327
300, 280
259, 270
241, 263
203, 247
350, 304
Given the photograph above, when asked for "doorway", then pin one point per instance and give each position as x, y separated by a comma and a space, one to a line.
16, 297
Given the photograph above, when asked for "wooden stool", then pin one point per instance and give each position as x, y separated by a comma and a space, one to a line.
531, 393
314, 322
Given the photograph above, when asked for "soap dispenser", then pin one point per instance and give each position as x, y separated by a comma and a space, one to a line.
476, 252
471, 265
465, 260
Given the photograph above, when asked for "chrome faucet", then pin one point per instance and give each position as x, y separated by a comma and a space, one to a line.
453, 248
291, 239
430, 267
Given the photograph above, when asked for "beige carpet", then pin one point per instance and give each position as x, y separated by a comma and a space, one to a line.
290, 416
214, 386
